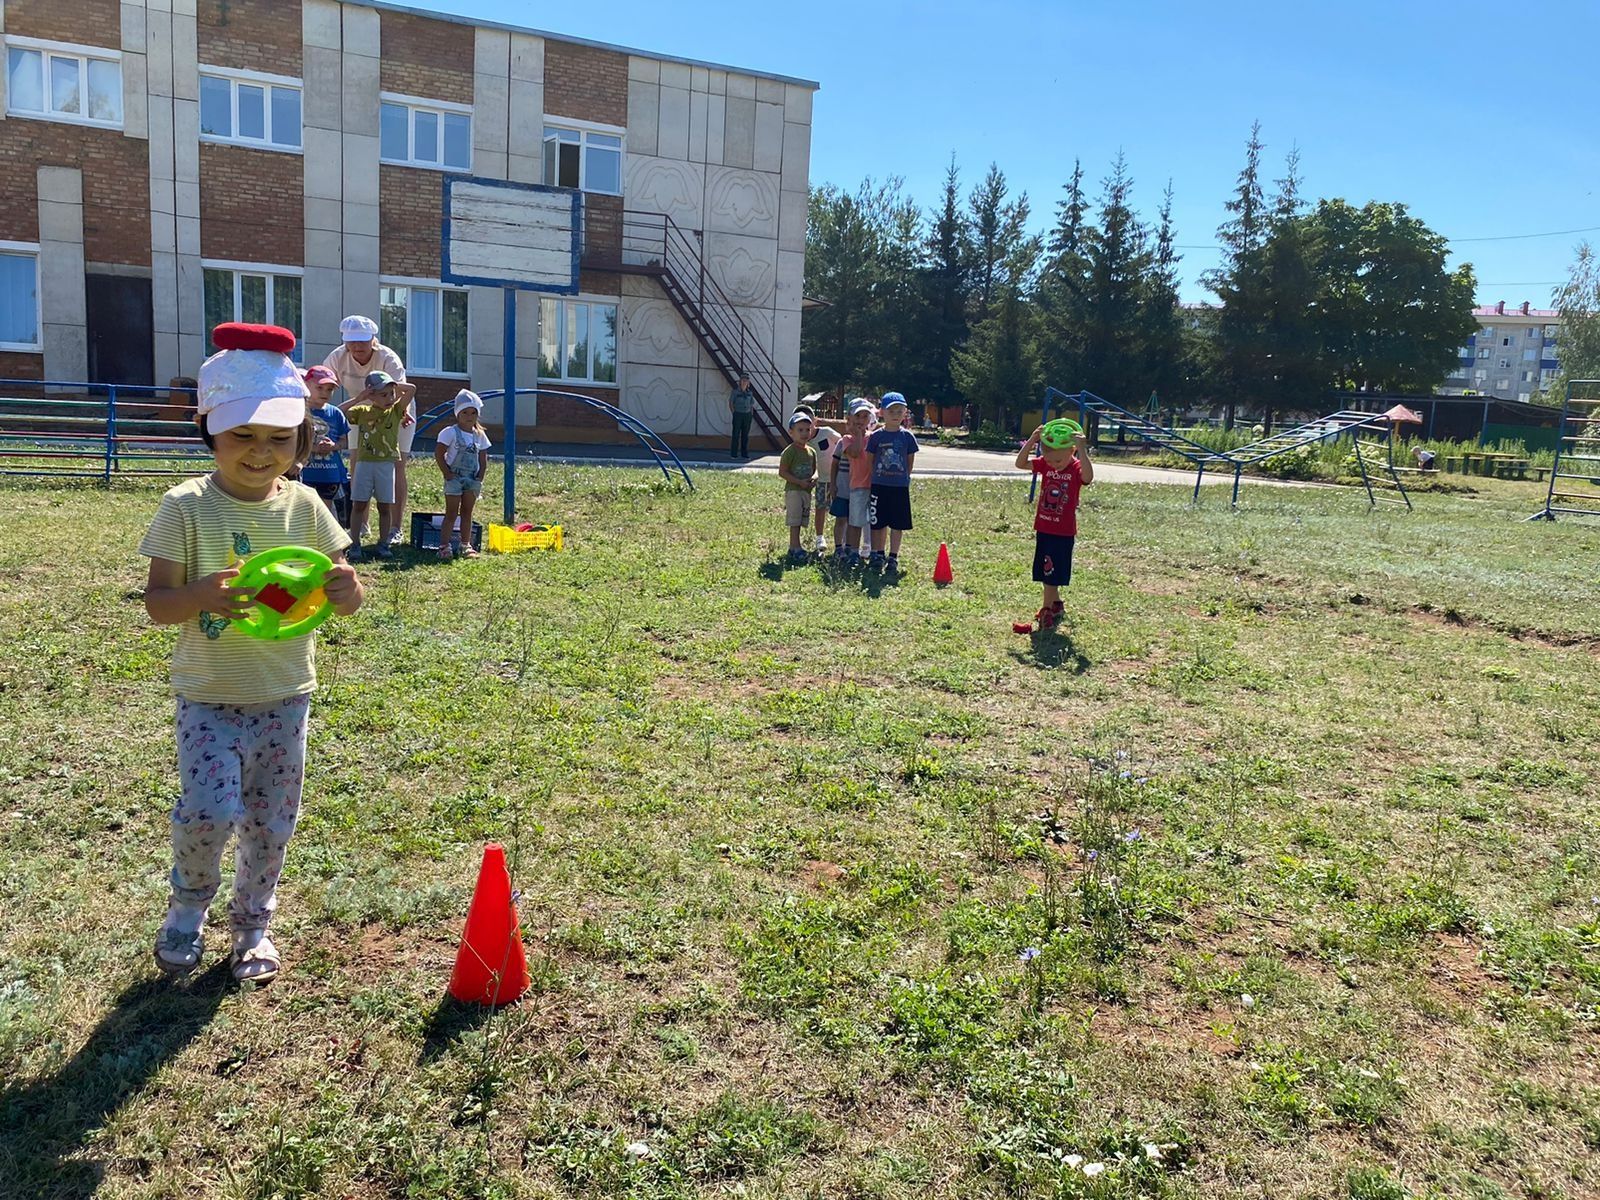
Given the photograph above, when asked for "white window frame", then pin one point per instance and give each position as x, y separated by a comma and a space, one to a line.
561, 303
269, 270
412, 285
84, 55
30, 250
235, 77
584, 129
439, 108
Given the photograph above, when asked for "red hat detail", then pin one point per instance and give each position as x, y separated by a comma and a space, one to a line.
235, 335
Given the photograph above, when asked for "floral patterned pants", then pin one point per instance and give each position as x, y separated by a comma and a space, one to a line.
242, 768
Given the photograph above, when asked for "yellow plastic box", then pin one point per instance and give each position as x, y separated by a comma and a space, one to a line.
505, 540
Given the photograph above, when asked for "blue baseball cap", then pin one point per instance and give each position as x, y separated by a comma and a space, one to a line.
890, 399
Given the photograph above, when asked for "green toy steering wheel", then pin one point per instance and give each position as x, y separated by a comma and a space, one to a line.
289, 599
1058, 434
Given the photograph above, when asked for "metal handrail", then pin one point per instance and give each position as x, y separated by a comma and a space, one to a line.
429, 422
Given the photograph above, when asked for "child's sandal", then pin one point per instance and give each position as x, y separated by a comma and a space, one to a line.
444, 554
255, 961
177, 952
468, 552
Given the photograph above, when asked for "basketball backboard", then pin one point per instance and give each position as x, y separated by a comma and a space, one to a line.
511, 235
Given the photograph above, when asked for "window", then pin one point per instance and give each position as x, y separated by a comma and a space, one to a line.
1524, 397
1546, 374
577, 340
426, 326
1505, 341
1530, 354
1486, 332
1502, 385
1505, 364
1532, 332
60, 82
1480, 375
425, 133
1527, 377
1483, 352
249, 108
1550, 332
256, 294
19, 296
587, 159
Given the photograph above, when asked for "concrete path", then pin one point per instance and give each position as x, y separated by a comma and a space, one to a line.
933, 461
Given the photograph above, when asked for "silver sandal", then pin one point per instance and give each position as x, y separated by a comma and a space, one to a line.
177, 953
258, 962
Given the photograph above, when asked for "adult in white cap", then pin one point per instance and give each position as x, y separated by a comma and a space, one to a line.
359, 354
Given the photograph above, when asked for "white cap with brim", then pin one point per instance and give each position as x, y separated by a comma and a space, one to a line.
356, 328
250, 387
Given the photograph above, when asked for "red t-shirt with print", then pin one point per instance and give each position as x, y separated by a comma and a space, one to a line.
1058, 497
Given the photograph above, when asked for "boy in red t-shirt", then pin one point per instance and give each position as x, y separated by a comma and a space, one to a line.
1062, 472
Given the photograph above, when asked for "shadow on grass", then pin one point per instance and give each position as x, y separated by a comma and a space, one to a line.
1053, 651
451, 1021
43, 1123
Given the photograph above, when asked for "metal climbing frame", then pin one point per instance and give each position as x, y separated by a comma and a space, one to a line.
1374, 456
1575, 474
428, 425
1326, 429
1142, 427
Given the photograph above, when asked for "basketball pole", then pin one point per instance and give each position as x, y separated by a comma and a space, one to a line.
510, 405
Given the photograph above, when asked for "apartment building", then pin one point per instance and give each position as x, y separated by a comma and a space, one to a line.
1513, 356
170, 164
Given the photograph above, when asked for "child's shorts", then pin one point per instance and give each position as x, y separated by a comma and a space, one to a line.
861, 507
373, 481
1052, 559
841, 505
822, 495
891, 508
459, 485
796, 506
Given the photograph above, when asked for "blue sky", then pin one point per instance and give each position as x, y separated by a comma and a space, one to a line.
1473, 114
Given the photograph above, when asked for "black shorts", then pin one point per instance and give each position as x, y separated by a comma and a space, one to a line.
1052, 559
891, 507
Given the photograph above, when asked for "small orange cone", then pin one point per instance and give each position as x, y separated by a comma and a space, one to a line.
941, 568
490, 966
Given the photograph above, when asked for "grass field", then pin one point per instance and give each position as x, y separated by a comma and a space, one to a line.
1275, 877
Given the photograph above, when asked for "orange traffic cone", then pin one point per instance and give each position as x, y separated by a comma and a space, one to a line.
490, 966
941, 567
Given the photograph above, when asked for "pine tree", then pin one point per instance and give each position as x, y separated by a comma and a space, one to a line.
1296, 374
1119, 259
1063, 285
948, 253
997, 230
1240, 284
1160, 337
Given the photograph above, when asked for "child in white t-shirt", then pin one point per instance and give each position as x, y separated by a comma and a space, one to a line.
462, 452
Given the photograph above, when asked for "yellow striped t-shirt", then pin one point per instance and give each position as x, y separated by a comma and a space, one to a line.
201, 526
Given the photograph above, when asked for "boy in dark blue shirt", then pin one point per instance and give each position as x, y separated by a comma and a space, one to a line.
325, 470
892, 450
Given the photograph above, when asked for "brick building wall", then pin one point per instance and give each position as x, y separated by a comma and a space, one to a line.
585, 83
435, 391
250, 35
252, 205
14, 365
411, 208
83, 22
116, 198
431, 59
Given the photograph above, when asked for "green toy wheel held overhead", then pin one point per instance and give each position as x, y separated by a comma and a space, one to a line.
1057, 434
289, 601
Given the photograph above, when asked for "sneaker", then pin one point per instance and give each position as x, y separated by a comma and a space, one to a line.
382, 550
822, 545
393, 539
798, 556
1047, 619
894, 564
875, 563
353, 554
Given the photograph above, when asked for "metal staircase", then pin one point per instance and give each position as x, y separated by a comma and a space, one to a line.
1575, 474
644, 243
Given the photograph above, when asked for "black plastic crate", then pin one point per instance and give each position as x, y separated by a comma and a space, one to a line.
426, 526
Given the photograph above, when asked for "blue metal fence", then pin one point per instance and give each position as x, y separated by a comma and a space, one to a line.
96, 430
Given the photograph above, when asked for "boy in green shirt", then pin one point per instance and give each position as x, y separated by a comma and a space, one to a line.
378, 414
797, 467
